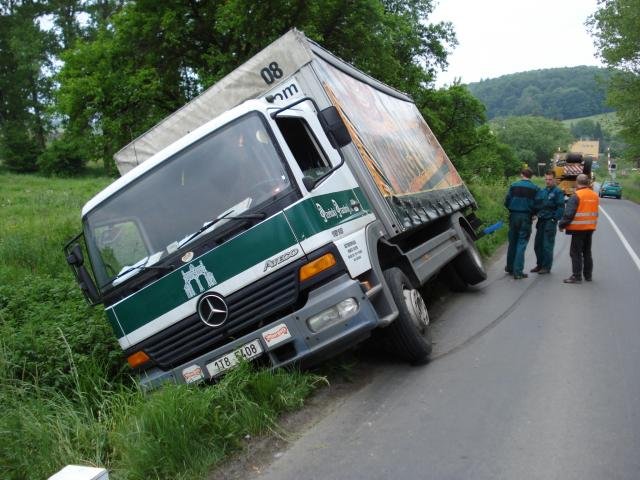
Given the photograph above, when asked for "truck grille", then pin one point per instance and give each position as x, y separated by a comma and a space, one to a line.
249, 308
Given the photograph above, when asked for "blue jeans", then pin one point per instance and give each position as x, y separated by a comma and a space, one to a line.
519, 233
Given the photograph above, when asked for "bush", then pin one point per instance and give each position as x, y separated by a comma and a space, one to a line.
64, 156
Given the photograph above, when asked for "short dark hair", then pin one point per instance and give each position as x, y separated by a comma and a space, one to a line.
550, 172
527, 172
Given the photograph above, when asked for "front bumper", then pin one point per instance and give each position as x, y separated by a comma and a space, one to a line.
302, 347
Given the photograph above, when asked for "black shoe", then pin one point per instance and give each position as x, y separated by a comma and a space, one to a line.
510, 272
542, 271
587, 279
572, 279
535, 269
520, 276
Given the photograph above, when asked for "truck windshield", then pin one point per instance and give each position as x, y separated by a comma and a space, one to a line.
229, 172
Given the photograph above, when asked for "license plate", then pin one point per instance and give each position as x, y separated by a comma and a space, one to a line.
249, 351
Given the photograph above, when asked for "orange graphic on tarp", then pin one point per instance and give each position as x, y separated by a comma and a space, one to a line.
393, 139
374, 169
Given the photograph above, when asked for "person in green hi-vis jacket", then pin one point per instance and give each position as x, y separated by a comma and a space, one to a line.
520, 201
549, 207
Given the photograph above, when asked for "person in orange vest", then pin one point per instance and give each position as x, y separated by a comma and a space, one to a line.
580, 220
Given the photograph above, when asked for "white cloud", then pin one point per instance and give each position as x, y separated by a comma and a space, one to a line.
498, 37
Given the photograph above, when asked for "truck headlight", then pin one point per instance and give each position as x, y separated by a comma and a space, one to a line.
331, 316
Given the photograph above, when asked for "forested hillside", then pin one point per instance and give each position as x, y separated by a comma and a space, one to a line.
557, 93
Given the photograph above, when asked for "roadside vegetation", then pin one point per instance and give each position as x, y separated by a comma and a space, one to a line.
490, 198
630, 186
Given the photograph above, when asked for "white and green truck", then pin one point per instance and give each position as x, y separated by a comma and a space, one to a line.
287, 213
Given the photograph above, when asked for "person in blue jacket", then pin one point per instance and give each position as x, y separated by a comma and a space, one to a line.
520, 201
549, 209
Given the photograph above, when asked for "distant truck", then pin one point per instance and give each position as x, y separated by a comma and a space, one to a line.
567, 167
287, 213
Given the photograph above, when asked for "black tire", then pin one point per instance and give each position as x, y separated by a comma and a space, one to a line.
586, 168
469, 263
452, 279
574, 158
409, 336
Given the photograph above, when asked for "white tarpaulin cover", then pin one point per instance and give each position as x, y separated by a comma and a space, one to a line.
261, 73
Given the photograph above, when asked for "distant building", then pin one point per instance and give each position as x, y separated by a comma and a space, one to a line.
586, 147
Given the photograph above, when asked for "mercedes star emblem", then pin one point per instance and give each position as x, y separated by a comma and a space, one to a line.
212, 309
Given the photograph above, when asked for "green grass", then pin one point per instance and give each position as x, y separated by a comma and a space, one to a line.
178, 432
37, 216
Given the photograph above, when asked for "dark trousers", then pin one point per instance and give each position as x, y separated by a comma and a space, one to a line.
544, 242
519, 233
580, 252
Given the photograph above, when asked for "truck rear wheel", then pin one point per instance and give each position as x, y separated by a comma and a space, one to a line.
469, 263
409, 336
586, 168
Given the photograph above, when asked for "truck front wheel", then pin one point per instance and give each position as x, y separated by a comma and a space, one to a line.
409, 336
469, 263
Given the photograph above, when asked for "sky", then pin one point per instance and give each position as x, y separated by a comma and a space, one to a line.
498, 37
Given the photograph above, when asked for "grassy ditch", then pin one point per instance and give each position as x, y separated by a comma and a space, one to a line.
65, 396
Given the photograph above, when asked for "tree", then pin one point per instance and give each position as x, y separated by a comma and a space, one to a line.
459, 122
151, 57
617, 36
25, 85
534, 139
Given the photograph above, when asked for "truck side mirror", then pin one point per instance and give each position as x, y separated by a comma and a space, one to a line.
334, 127
75, 257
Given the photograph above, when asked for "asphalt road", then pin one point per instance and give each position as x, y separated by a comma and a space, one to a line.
531, 379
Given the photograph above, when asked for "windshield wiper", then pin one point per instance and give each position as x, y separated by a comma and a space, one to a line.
226, 216
139, 268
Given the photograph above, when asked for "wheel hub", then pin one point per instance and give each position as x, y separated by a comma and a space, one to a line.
417, 308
